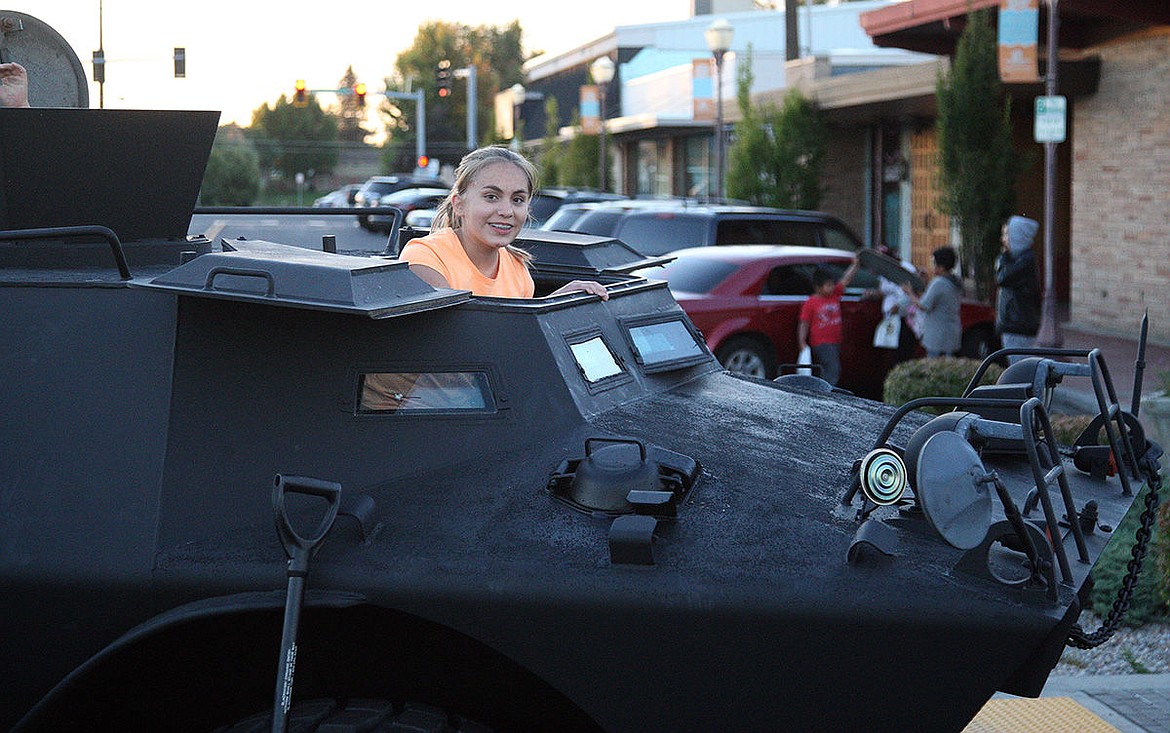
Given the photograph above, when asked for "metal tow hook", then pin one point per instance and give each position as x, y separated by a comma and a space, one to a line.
299, 549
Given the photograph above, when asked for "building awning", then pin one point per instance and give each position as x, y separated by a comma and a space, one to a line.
934, 26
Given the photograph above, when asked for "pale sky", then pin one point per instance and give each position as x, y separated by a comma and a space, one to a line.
242, 54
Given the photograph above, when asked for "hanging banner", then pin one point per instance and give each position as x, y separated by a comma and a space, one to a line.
590, 110
1019, 23
703, 88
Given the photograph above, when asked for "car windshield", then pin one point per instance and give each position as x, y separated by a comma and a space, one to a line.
408, 195
661, 232
691, 274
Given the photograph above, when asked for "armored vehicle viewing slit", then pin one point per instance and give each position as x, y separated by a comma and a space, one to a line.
558, 513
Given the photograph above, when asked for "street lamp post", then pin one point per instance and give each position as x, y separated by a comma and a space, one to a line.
518, 95
719, 35
602, 70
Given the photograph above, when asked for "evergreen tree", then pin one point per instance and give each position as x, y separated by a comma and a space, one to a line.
550, 149
578, 164
351, 112
978, 166
778, 152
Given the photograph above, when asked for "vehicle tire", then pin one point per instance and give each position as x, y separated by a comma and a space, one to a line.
978, 342
747, 356
316, 715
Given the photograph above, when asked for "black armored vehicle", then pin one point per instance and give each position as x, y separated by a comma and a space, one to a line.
246, 484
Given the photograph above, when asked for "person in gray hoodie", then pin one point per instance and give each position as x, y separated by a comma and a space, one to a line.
1017, 311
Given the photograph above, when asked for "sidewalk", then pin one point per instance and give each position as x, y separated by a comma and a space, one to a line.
1075, 394
1128, 703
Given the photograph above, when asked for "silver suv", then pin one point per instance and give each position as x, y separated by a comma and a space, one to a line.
658, 230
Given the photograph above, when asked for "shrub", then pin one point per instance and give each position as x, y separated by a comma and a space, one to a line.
1068, 428
942, 377
1161, 552
232, 177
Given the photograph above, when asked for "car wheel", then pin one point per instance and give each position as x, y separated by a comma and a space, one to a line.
978, 343
357, 714
747, 356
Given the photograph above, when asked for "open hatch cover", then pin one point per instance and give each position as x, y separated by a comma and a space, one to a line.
281, 274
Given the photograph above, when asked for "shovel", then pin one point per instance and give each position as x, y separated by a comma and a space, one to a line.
299, 549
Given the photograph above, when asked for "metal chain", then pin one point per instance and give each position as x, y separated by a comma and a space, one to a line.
1077, 637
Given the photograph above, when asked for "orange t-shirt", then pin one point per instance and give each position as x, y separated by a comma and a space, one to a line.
442, 252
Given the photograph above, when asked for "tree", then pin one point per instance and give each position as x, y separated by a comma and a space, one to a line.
778, 152
497, 56
550, 149
232, 177
578, 161
352, 113
978, 166
293, 139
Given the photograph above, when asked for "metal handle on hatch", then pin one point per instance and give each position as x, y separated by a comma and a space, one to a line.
241, 272
75, 231
640, 444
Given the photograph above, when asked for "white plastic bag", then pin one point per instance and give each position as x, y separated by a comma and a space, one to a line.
885, 336
805, 357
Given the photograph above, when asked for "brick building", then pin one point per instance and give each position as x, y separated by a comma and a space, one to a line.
1112, 232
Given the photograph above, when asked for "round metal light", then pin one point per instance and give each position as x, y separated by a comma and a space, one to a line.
883, 476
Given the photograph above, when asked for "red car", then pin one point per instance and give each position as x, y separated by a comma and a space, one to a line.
746, 300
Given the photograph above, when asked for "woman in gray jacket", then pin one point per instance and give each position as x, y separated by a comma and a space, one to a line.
942, 330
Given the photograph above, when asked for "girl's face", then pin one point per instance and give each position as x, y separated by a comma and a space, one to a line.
494, 206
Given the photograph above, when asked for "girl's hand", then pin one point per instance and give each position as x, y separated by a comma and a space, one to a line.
583, 286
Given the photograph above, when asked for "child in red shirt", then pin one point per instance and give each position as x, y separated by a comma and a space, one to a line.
820, 321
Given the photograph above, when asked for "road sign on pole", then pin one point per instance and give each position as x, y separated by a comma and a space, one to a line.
1050, 124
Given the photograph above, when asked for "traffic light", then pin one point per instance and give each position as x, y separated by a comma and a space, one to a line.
423, 162
301, 96
180, 62
359, 91
443, 77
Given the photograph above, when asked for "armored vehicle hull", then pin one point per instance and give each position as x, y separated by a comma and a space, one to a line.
557, 513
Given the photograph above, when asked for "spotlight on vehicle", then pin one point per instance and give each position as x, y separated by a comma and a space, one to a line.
953, 490
883, 476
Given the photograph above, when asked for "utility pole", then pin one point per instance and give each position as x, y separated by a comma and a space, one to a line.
1049, 334
468, 72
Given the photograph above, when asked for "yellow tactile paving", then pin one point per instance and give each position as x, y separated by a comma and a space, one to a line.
1042, 715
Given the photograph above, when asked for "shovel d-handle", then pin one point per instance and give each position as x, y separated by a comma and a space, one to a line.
299, 549
296, 546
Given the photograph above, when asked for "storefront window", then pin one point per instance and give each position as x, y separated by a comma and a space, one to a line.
697, 166
652, 168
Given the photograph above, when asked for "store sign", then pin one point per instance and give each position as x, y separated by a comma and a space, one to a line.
590, 109
703, 88
1019, 22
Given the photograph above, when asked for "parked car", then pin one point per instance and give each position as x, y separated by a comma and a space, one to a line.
603, 217
339, 198
372, 191
656, 230
420, 218
546, 201
746, 300
406, 200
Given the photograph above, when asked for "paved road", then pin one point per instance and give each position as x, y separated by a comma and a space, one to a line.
302, 230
